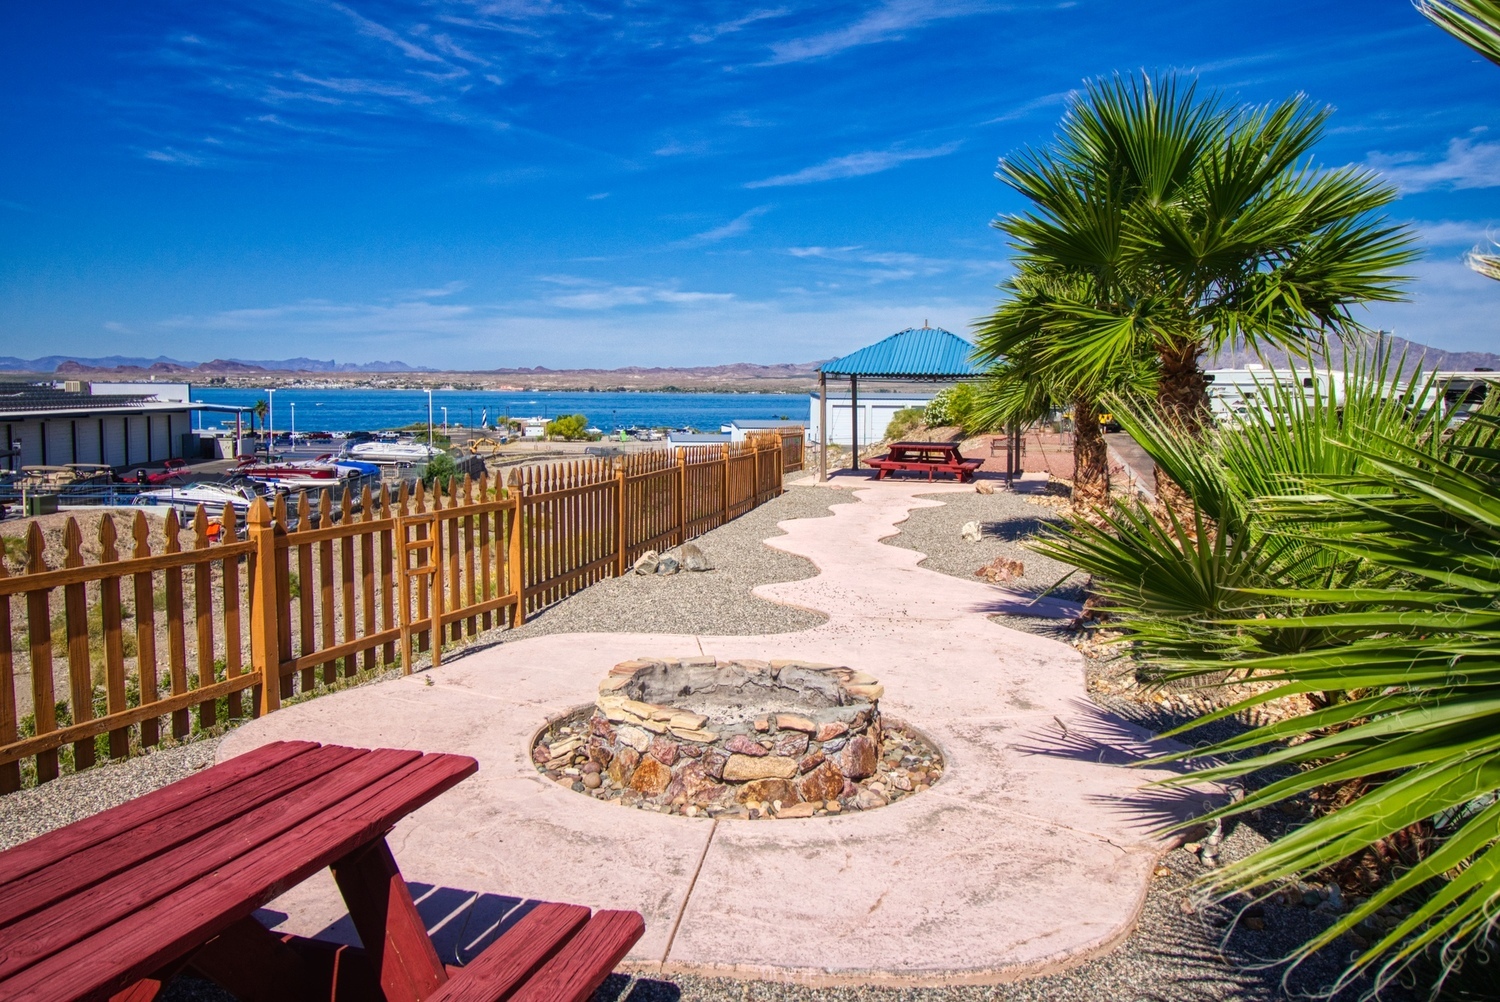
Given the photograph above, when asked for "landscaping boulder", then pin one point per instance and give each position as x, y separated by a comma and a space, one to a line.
646, 562
971, 532
1001, 570
667, 564
693, 559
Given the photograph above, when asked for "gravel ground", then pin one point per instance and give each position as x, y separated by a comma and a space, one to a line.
710, 602
1183, 949
1006, 520
69, 798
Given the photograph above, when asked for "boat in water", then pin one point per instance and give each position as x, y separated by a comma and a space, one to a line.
391, 453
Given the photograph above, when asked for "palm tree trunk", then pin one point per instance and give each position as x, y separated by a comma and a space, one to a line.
1181, 397
1090, 457
1182, 389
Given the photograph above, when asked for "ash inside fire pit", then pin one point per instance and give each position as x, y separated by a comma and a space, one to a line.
743, 738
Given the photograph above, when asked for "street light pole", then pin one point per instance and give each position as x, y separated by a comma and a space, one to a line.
294, 424
270, 420
445, 420
429, 419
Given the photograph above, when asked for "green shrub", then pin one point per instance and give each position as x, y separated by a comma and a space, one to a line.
903, 423
440, 472
957, 405
571, 427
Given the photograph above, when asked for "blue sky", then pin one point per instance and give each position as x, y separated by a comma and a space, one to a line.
482, 184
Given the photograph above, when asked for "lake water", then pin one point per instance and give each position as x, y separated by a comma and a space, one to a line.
371, 410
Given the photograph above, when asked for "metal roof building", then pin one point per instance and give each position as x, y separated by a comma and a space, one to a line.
45, 424
917, 353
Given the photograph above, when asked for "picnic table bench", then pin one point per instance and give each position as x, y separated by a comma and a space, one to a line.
929, 457
116, 905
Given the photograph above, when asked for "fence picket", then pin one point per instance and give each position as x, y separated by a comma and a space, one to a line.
233, 667
306, 617
39, 631
76, 624
325, 590
145, 630
367, 574
10, 772
176, 629
203, 601
346, 578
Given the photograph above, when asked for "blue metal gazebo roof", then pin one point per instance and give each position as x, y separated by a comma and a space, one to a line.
915, 353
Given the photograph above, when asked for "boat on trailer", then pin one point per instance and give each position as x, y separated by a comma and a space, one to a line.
213, 497
391, 453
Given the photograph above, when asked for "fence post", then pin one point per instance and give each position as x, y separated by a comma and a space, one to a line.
513, 566
724, 495
435, 579
620, 521
681, 497
265, 655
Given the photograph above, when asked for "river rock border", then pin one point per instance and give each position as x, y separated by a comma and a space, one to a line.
824, 756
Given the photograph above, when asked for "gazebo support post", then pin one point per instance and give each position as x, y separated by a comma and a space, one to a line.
854, 419
822, 426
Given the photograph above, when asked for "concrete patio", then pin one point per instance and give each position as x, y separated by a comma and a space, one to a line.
1031, 854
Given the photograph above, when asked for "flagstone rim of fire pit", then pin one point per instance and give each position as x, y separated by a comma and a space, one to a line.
786, 738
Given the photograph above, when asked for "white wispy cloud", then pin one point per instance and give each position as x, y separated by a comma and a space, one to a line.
1457, 232
705, 35
737, 226
374, 29
175, 156
598, 196
447, 289
887, 22
1465, 163
855, 165
1026, 108
876, 267
590, 294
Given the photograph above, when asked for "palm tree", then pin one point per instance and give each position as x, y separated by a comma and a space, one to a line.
1476, 23
258, 410
1026, 383
1198, 225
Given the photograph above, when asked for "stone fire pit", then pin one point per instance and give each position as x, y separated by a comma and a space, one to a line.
698, 736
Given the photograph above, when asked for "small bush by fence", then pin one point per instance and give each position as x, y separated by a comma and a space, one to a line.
171, 630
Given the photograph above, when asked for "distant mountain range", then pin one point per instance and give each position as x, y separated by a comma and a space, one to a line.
124, 365
1430, 358
744, 375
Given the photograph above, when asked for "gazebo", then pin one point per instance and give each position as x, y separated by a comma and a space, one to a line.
917, 354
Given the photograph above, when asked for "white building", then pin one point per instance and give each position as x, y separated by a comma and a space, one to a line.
676, 439
741, 428
112, 424
875, 412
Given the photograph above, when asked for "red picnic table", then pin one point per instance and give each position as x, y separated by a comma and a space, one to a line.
114, 906
925, 457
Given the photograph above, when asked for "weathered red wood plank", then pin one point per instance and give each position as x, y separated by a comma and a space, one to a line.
103, 859
394, 935
583, 964
46, 849
64, 923
515, 956
125, 951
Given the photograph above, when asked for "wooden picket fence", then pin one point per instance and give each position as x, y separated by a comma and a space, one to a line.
385, 579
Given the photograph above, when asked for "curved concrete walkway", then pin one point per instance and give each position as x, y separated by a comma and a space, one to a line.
1032, 853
